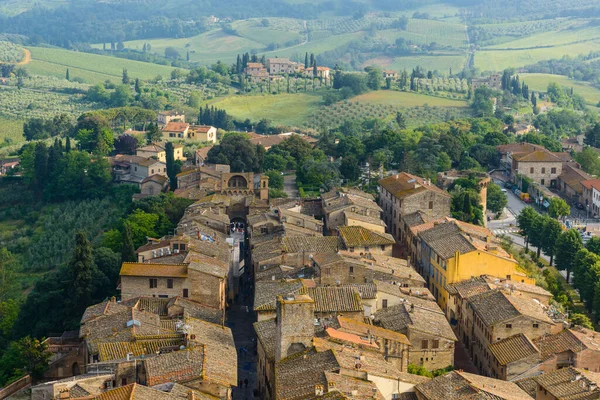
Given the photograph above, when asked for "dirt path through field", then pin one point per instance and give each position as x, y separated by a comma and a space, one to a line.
27, 58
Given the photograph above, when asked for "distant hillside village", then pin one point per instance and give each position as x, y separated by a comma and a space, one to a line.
275, 68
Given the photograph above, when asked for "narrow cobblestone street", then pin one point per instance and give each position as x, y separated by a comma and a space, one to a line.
240, 318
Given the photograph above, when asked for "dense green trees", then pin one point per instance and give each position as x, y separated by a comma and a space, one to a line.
466, 205
526, 220
567, 246
58, 175
496, 199
558, 208
25, 356
237, 151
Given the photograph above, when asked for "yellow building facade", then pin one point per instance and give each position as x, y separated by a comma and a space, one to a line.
449, 255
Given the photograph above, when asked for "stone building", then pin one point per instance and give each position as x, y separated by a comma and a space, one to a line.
347, 268
294, 363
513, 356
364, 241
431, 337
402, 194
338, 201
461, 385
568, 383
494, 316
454, 251
164, 117
157, 151
577, 347
569, 183
199, 278
591, 196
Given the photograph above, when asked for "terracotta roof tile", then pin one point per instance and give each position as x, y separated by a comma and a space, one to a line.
336, 299
357, 236
311, 366
149, 269
351, 325
401, 318
266, 292
513, 348
571, 383
495, 307
176, 127
266, 332
464, 386
403, 185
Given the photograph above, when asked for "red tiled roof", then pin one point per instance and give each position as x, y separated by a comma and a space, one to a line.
176, 127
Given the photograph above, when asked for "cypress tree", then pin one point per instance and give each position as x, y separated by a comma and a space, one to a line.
306, 60
171, 167
81, 270
238, 65
67, 77
68, 145
128, 250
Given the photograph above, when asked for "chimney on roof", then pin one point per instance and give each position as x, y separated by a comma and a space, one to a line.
191, 395
412, 307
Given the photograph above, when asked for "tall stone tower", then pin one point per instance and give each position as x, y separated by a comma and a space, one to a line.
264, 187
295, 325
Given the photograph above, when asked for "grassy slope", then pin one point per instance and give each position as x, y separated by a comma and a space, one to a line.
539, 82
283, 109
554, 38
12, 130
498, 60
206, 48
295, 109
90, 67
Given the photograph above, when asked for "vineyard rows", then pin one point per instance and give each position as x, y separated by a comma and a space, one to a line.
338, 113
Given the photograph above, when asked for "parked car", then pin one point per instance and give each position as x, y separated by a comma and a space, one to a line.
580, 206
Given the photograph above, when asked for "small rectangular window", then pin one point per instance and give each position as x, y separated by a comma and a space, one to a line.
351, 270
424, 344
185, 293
553, 170
543, 170
384, 303
182, 247
531, 170
435, 344
170, 283
175, 246
431, 205
508, 326
536, 325
153, 283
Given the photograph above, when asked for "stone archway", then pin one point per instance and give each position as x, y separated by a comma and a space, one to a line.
237, 181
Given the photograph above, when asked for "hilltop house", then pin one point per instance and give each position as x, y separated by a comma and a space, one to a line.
157, 151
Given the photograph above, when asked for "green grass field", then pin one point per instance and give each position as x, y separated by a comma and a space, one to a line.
92, 68
498, 60
442, 33
297, 109
406, 99
553, 38
539, 82
442, 63
12, 130
283, 109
